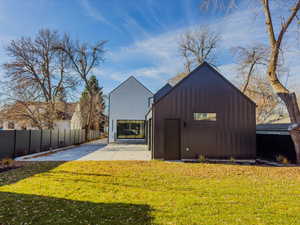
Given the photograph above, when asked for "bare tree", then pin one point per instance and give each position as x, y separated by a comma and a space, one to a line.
252, 63
37, 72
198, 46
84, 58
276, 34
249, 60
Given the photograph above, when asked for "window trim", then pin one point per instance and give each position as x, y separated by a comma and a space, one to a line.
214, 119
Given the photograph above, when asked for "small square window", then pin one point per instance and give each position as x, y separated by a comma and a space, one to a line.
205, 116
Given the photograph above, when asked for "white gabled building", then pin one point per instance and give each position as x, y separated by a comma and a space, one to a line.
128, 105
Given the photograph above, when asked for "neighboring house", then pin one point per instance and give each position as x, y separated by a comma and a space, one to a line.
16, 117
77, 121
202, 114
128, 105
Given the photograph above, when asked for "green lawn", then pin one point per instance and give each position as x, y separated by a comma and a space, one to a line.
149, 193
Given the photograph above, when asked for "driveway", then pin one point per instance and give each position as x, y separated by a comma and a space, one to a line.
96, 151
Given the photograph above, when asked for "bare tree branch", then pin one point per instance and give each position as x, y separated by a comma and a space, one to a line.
39, 70
198, 46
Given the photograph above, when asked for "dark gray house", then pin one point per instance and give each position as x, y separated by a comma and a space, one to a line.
203, 114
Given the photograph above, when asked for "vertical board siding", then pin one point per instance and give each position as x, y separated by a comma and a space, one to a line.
7, 139
35, 141
22, 142
61, 138
46, 140
54, 138
232, 135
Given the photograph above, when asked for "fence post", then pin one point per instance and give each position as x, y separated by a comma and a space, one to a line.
29, 143
41, 141
50, 140
15, 139
58, 144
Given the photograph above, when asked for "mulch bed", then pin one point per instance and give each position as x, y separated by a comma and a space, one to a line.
11, 167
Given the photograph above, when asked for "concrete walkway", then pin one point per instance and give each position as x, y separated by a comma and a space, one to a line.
96, 151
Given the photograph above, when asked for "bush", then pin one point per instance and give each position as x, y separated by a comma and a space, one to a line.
282, 159
6, 162
202, 158
232, 159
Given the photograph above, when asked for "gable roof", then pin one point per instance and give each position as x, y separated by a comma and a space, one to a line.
205, 64
130, 78
162, 92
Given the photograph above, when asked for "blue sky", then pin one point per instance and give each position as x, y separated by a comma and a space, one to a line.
142, 34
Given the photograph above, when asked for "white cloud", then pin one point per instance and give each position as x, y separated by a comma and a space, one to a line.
160, 54
95, 13
157, 58
161, 51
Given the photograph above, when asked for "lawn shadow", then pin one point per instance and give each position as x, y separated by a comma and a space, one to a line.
27, 170
33, 209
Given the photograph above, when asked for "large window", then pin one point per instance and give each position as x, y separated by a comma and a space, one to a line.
205, 116
130, 129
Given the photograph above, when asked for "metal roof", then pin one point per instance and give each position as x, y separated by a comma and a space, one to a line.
273, 128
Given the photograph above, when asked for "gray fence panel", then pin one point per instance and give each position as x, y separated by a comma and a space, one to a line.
72, 137
90, 135
82, 136
22, 142
46, 140
67, 137
54, 138
77, 137
35, 141
7, 139
61, 138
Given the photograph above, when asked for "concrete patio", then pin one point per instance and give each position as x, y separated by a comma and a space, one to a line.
96, 151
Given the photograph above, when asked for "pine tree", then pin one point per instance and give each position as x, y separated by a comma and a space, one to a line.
95, 103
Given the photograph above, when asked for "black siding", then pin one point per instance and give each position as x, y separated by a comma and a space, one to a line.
204, 90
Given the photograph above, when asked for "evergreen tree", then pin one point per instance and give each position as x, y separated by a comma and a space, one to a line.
92, 99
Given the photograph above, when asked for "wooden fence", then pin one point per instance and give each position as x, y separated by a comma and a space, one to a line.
14, 143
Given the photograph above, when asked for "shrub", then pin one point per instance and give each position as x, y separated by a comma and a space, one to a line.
282, 159
6, 162
202, 158
232, 159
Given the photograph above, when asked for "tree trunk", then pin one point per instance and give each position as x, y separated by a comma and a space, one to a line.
51, 115
290, 101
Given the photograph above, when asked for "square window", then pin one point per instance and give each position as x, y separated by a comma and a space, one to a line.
205, 116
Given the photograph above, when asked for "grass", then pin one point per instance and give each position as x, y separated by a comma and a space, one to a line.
149, 193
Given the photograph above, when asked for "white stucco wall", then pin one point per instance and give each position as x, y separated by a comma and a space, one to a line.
129, 101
